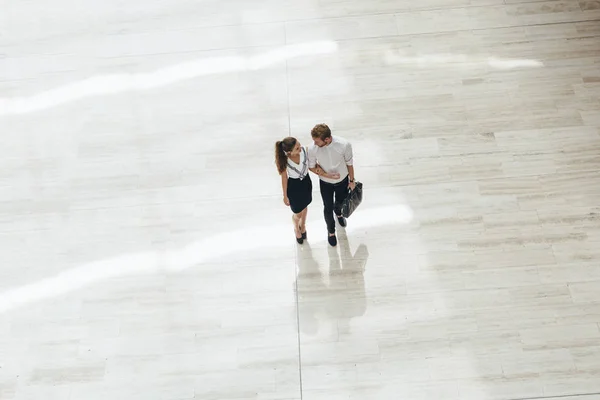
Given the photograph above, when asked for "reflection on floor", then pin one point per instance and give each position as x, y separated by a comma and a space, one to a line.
147, 253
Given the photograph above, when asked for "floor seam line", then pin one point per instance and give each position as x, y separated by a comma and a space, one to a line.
298, 325
296, 265
562, 396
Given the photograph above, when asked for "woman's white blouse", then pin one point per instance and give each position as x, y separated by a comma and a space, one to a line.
298, 171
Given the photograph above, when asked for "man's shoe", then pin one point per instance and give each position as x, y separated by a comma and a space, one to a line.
342, 221
332, 240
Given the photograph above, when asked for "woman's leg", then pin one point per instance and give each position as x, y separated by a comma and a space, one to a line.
302, 220
303, 215
296, 219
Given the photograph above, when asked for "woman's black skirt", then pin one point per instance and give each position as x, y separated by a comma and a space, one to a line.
299, 192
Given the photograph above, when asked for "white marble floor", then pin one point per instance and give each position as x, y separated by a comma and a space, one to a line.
145, 252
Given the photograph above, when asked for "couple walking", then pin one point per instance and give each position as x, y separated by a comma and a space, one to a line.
331, 159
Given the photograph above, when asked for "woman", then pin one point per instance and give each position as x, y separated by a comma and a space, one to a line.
292, 163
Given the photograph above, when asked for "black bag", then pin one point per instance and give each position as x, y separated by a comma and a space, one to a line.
353, 200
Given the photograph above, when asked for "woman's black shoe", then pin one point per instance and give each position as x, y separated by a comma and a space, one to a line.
304, 236
300, 240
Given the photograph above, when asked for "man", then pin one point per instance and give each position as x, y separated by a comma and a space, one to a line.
331, 155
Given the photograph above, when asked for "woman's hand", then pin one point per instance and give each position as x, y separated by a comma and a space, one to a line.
286, 201
333, 175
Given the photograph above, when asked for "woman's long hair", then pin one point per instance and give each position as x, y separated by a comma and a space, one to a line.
281, 148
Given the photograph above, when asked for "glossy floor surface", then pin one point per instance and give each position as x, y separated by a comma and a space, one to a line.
146, 252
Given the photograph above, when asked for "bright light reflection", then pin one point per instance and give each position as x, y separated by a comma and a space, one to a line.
215, 247
116, 83
458, 60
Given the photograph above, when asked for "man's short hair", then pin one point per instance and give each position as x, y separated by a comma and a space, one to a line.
320, 131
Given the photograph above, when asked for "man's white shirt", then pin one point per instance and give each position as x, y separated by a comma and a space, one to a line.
335, 157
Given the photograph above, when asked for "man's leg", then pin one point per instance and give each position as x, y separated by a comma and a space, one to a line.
327, 191
341, 192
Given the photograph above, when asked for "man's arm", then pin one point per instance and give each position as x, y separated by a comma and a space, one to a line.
349, 159
351, 173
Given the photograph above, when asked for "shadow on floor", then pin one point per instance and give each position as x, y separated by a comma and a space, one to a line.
335, 295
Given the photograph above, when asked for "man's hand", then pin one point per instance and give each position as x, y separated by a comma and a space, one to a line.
351, 185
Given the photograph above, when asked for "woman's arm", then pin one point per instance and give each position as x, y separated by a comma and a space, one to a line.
284, 182
317, 170
321, 172
284, 185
